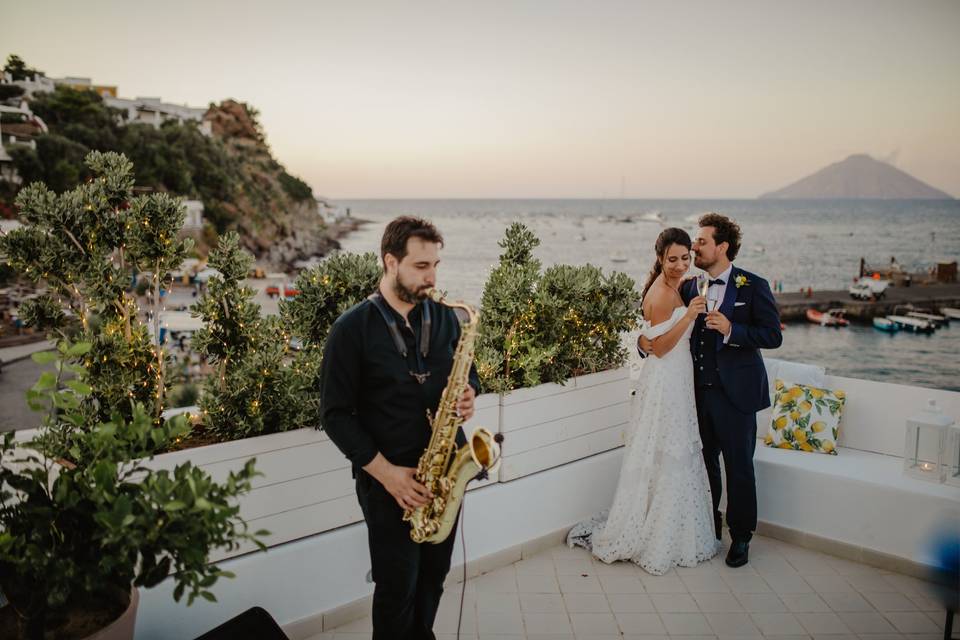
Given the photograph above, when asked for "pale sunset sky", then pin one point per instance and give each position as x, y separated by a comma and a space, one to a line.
527, 99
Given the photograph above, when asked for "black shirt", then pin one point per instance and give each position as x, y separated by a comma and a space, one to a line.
370, 402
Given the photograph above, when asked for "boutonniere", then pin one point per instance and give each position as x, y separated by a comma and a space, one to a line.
741, 281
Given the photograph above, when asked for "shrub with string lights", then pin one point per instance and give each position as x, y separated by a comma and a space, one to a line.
550, 326
84, 244
259, 384
326, 291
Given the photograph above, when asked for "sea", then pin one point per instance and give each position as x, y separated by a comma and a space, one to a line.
801, 244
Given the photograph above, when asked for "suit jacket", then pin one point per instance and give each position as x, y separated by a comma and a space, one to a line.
755, 321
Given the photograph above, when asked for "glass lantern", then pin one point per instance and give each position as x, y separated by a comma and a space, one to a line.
951, 456
926, 443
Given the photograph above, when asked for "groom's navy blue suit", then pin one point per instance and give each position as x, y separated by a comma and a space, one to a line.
731, 387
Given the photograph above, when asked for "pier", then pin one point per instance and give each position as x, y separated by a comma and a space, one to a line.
793, 306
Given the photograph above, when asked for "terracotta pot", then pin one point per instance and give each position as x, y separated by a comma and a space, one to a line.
122, 627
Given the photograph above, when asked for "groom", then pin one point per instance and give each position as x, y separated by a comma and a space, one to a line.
729, 375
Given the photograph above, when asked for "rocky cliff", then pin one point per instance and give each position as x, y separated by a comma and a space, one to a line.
275, 213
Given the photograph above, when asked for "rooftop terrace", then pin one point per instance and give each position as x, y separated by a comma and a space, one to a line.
786, 592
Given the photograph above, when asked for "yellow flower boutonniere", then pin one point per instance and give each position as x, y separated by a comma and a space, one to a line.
741, 281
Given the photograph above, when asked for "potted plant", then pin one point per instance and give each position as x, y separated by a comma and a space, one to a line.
79, 534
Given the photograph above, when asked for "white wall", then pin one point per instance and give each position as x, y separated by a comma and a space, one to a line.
858, 497
307, 577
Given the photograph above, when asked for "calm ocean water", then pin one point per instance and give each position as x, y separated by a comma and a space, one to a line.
803, 243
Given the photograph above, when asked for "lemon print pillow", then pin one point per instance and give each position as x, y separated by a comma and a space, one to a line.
805, 418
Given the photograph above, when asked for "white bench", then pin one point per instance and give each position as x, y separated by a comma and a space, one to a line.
858, 504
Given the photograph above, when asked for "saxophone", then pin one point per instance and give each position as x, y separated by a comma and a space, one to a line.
442, 468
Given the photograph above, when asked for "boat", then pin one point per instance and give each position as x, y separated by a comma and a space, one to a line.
950, 312
618, 257
831, 318
653, 216
886, 324
930, 317
915, 325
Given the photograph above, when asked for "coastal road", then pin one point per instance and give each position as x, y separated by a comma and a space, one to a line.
16, 378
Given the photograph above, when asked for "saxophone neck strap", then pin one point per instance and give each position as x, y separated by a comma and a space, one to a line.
391, 321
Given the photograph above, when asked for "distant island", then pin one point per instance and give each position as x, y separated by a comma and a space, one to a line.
858, 177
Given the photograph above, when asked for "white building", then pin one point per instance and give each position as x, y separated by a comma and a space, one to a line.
19, 130
194, 219
155, 112
37, 84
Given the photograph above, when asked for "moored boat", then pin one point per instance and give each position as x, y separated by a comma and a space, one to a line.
831, 318
950, 312
930, 317
915, 325
886, 324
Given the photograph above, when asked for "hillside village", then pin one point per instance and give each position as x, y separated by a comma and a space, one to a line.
215, 158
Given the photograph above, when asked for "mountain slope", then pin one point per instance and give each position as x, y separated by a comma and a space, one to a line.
859, 177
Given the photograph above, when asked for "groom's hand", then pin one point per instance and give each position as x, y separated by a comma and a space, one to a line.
645, 344
719, 322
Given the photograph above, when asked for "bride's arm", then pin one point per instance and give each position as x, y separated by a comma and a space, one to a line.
661, 310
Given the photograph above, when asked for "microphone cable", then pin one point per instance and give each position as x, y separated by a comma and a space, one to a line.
481, 475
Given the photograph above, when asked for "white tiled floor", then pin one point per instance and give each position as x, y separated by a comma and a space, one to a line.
785, 593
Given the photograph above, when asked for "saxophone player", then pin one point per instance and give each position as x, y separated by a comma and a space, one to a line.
385, 365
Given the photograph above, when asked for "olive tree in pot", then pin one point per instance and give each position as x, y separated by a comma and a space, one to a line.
79, 534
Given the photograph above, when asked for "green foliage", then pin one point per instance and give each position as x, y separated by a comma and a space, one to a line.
547, 327
57, 161
83, 244
10, 93
259, 387
80, 116
326, 291
295, 187
43, 314
74, 534
175, 157
185, 395
231, 318
18, 69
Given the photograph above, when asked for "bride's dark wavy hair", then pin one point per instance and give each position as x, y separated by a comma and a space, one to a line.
667, 237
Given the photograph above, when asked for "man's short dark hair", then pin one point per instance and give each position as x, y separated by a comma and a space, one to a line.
724, 230
400, 230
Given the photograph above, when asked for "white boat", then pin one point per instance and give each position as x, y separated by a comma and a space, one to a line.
929, 317
950, 312
886, 324
653, 216
912, 324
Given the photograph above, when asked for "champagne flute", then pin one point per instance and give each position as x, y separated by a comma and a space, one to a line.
703, 286
713, 300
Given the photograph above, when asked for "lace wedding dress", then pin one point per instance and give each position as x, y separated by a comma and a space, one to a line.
662, 514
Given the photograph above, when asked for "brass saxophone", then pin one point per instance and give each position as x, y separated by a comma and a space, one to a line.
442, 468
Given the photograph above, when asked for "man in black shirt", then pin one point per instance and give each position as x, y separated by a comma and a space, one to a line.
385, 364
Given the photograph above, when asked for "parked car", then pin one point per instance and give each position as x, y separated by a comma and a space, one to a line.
869, 289
288, 292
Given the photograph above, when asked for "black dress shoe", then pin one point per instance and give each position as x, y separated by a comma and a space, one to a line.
739, 554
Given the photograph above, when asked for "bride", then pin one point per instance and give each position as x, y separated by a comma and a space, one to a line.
662, 514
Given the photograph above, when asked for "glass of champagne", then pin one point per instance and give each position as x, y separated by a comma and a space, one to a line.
713, 300
703, 286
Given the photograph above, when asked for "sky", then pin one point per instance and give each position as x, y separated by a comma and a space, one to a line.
537, 99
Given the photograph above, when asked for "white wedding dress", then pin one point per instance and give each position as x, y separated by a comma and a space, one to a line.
662, 513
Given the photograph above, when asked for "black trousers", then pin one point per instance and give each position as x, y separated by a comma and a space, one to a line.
726, 430
408, 576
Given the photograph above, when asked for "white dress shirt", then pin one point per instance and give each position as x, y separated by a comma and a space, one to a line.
718, 291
